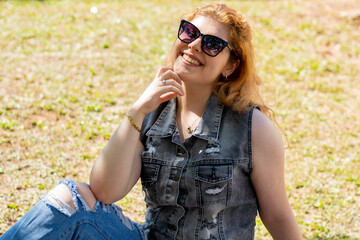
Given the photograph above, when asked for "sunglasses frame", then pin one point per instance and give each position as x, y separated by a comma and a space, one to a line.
225, 43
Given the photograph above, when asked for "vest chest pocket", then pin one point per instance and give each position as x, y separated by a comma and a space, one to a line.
149, 172
213, 183
149, 177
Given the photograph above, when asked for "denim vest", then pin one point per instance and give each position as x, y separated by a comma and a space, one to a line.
200, 188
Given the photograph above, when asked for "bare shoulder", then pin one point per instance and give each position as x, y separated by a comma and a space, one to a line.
267, 143
268, 180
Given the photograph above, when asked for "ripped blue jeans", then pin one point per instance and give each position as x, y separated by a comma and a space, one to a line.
47, 220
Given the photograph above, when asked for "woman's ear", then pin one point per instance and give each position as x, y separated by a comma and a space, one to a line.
230, 68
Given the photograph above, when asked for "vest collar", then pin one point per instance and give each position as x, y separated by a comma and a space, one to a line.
207, 129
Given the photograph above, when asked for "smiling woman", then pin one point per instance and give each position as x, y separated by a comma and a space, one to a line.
200, 139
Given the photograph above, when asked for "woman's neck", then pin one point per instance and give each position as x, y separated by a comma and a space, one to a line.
190, 109
193, 102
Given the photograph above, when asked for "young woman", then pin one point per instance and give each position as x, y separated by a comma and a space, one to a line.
207, 152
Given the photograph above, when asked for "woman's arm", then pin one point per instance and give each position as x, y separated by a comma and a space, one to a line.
267, 177
118, 167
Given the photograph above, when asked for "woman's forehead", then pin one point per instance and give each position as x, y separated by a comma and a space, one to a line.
211, 26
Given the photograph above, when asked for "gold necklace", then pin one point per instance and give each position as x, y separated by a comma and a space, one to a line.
189, 128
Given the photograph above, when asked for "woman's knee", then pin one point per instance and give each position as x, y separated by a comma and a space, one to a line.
86, 193
62, 193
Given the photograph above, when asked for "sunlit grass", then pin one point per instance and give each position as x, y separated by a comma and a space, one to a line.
67, 77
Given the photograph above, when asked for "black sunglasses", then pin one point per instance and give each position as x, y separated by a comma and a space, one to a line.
211, 45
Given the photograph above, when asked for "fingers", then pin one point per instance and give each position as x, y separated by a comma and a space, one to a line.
170, 74
171, 86
171, 82
166, 86
167, 96
169, 78
162, 70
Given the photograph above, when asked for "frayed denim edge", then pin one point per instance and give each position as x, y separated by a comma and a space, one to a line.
64, 208
68, 211
70, 183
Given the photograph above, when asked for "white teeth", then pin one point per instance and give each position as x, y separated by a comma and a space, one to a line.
190, 60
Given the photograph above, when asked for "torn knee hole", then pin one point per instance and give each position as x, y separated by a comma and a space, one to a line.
54, 200
62, 198
61, 195
86, 194
60, 205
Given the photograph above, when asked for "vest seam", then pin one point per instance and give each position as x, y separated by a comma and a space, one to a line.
250, 139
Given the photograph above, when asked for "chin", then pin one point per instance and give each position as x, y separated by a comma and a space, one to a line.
183, 73
178, 68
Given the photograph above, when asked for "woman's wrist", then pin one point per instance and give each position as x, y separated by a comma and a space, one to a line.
136, 113
133, 123
135, 117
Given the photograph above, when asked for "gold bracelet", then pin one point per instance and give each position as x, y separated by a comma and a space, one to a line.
132, 122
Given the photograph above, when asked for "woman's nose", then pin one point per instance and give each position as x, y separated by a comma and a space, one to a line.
196, 44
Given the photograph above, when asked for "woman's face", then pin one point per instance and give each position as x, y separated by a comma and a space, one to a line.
192, 64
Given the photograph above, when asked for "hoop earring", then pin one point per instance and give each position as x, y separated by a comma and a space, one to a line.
224, 78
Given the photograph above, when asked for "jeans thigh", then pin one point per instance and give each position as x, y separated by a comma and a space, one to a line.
47, 220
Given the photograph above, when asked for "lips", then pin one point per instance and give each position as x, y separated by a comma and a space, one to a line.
191, 59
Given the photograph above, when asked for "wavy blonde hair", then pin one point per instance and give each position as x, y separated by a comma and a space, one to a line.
240, 90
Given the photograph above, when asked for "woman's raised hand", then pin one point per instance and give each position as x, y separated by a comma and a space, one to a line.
166, 85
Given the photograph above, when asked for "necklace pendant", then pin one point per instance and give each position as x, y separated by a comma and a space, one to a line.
189, 130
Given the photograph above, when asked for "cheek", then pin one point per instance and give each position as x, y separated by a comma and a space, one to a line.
215, 67
176, 59
220, 64
178, 45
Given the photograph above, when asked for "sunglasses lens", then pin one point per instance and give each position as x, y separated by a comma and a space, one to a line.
188, 32
212, 45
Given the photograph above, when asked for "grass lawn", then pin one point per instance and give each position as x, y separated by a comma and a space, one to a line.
69, 72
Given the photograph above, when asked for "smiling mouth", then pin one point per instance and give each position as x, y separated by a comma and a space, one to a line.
191, 60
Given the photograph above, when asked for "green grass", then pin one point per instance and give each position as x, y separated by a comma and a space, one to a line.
67, 77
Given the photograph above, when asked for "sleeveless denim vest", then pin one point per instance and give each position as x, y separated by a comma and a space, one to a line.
200, 188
